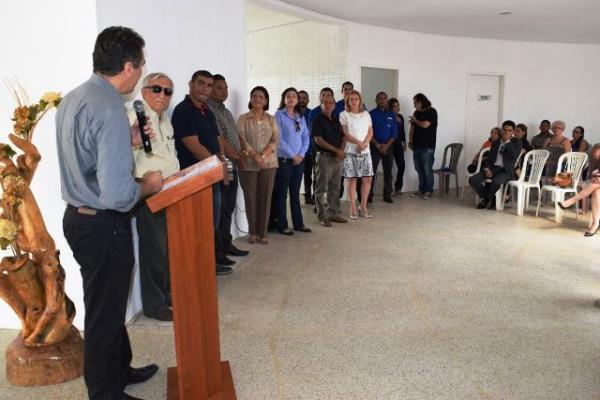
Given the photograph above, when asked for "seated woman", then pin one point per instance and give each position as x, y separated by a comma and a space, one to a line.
579, 143
590, 189
521, 133
557, 145
494, 135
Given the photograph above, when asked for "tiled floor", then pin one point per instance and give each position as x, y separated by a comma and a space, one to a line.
429, 300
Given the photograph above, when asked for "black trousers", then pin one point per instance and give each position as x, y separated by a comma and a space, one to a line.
309, 163
102, 245
387, 161
484, 190
223, 236
154, 258
400, 165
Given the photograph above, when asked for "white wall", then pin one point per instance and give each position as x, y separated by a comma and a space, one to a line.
48, 47
51, 49
542, 80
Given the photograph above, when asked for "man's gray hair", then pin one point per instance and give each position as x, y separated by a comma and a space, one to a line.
155, 75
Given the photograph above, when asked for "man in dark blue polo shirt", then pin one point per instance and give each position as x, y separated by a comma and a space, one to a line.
197, 137
340, 106
385, 131
309, 157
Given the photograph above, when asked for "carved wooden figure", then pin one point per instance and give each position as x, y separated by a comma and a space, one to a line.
49, 349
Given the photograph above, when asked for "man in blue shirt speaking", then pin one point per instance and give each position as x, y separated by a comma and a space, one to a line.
385, 131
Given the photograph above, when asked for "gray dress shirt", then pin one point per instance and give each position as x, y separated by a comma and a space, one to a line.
93, 140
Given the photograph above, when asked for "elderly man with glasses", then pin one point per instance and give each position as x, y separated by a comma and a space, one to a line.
157, 90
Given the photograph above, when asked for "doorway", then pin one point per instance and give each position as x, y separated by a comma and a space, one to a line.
375, 80
484, 111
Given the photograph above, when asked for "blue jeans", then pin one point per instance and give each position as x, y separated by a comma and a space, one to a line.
288, 178
423, 159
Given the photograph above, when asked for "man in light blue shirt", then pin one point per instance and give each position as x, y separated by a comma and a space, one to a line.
94, 142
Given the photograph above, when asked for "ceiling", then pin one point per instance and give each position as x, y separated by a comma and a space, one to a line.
569, 21
259, 18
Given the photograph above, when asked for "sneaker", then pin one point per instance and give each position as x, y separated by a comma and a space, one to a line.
426, 196
223, 270
416, 194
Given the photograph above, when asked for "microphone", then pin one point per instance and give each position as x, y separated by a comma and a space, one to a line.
138, 107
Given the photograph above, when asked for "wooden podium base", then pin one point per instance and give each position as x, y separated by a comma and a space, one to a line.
226, 393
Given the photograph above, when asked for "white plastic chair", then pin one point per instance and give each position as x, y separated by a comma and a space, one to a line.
482, 153
572, 162
523, 185
500, 193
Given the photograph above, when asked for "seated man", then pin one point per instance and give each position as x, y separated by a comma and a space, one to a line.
498, 168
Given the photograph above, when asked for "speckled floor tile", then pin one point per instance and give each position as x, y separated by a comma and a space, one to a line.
428, 300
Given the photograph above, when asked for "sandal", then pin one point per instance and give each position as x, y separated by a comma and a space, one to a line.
264, 240
252, 239
365, 214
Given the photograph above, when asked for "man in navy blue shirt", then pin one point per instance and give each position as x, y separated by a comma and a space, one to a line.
309, 157
197, 137
340, 106
385, 131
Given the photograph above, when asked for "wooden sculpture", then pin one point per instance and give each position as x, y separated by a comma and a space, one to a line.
49, 349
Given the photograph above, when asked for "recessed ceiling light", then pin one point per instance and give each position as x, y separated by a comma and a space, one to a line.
505, 12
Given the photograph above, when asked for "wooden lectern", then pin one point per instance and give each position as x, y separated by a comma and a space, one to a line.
200, 374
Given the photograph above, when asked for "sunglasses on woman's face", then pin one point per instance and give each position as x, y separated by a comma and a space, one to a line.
156, 89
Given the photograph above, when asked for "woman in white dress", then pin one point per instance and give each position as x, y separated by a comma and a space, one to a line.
358, 131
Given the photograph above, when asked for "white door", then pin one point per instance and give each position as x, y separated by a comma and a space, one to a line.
484, 103
375, 80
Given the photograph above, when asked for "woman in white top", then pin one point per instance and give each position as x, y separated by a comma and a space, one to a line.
358, 130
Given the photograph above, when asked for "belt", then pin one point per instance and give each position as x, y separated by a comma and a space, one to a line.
85, 210
282, 159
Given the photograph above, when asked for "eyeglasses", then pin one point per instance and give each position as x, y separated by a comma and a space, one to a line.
156, 89
297, 125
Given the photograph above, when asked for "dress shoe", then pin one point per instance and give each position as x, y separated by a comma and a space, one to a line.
324, 222
482, 204
339, 219
223, 260
303, 229
140, 375
128, 397
169, 300
234, 251
223, 270
162, 314
491, 205
388, 199
286, 231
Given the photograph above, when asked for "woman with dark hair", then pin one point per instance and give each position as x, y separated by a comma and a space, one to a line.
293, 144
259, 137
579, 143
423, 131
494, 135
399, 145
521, 133
591, 189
